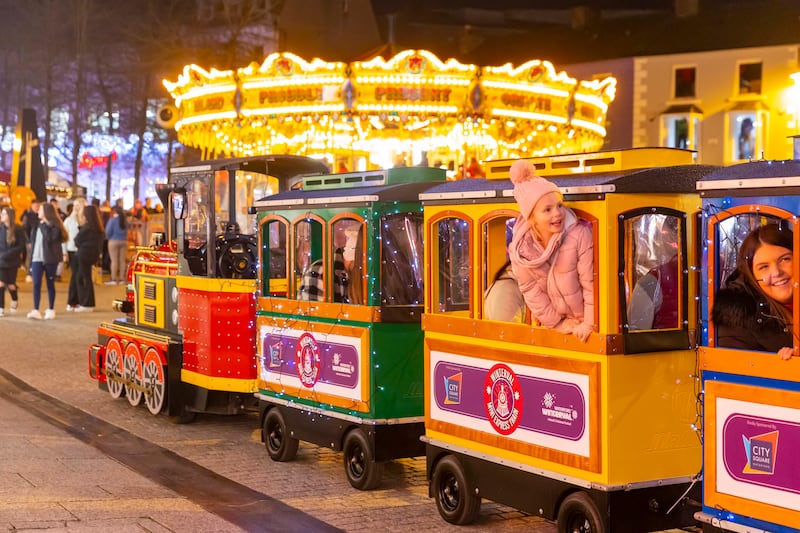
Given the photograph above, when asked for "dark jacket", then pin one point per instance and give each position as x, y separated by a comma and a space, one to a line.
89, 243
11, 254
742, 319
53, 238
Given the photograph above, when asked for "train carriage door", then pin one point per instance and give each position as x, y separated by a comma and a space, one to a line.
274, 257
654, 280
502, 300
347, 250
728, 231
309, 266
450, 247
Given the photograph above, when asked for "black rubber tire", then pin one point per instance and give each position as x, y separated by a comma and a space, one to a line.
280, 445
455, 497
579, 514
360, 467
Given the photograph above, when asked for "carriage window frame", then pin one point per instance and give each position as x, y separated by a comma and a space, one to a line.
719, 270
495, 225
442, 291
411, 268
271, 285
642, 340
314, 251
339, 241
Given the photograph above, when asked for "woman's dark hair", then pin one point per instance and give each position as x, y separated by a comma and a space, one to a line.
92, 218
501, 271
123, 223
776, 235
51, 216
11, 234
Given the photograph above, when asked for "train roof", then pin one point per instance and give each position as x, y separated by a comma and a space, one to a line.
740, 180
279, 165
678, 178
391, 185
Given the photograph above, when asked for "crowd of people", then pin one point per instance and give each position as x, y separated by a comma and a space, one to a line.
45, 241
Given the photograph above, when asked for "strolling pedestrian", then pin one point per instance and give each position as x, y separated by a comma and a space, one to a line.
73, 223
46, 254
12, 248
117, 235
89, 243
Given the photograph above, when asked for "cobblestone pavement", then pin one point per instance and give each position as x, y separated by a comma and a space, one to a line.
51, 356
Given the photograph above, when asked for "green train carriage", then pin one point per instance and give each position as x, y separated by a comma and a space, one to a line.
340, 349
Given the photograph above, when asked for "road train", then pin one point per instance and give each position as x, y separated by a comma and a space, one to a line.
348, 309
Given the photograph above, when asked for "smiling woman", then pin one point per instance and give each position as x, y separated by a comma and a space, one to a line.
754, 310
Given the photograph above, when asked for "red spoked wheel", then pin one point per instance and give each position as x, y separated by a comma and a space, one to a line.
132, 373
113, 367
155, 387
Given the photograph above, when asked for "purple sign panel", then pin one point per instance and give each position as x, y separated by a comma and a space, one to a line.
762, 451
311, 360
509, 400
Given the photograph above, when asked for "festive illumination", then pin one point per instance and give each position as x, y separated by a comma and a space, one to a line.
410, 103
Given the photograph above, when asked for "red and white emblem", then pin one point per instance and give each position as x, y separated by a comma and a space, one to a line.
502, 399
308, 360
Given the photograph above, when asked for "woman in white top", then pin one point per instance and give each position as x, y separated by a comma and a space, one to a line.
72, 223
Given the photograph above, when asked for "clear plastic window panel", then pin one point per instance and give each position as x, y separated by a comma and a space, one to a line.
309, 268
197, 215
347, 250
730, 234
251, 186
653, 267
402, 262
454, 265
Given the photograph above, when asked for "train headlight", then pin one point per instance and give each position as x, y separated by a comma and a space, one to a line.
174, 317
174, 295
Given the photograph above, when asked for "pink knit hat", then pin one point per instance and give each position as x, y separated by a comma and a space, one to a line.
528, 187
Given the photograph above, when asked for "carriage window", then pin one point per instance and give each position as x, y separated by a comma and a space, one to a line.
502, 299
402, 259
251, 186
730, 233
653, 271
308, 262
453, 282
273, 259
347, 250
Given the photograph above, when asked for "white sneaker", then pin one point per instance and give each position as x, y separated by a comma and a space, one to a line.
35, 314
49, 314
112, 282
72, 307
1, 312
13, 309
81, 309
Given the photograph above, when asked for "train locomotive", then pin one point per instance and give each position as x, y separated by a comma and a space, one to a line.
186, 342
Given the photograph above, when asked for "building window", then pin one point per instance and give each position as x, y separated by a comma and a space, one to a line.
746, 134
685, 82
680, 127
750, 78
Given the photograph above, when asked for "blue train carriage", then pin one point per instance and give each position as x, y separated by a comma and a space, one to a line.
339, 309
751, 422
186, 342
598, 435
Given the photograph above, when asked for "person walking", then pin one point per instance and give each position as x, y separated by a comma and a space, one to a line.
89, 243
117, 235
12, 248
73, 223
30, 219
46, 253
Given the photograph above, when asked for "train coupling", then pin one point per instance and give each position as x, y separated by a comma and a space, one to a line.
97, 354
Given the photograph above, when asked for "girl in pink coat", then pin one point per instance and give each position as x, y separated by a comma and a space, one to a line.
552, 255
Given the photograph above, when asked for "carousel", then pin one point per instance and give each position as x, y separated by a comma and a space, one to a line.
412, 109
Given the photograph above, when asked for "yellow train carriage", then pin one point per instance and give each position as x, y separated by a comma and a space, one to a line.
597, 434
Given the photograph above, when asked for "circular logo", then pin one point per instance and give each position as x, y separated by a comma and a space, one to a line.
308, 360
502, 399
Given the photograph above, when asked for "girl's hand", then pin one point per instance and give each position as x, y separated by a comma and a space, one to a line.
566, 326
582, 331
785, 353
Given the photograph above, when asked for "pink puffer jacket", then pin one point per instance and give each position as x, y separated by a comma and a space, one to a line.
558, 282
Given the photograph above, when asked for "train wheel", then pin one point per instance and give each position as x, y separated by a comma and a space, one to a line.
113, 368
456, 500
132, 372
280, 445
363, 472
579, 514
153, 381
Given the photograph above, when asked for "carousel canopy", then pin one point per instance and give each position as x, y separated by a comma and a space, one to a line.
411, 102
